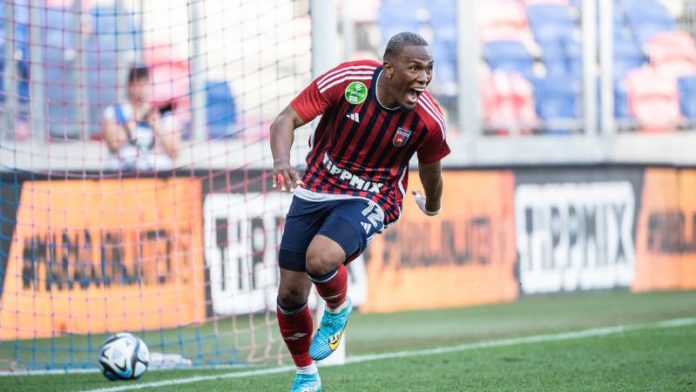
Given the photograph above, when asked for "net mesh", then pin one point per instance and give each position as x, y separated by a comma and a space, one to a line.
144, 211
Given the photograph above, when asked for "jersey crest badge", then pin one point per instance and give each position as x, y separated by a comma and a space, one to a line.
401, 137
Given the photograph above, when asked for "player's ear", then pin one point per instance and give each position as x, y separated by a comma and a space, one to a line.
388, 69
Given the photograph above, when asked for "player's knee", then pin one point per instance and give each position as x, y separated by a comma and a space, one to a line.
292, 297
320, 263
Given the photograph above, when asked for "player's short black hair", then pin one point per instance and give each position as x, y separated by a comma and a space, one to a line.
398, 42
138, 72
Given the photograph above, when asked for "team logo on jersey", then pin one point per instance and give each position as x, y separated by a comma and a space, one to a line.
401, 137
356, 93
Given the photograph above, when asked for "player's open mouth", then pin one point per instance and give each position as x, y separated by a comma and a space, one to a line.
413, 93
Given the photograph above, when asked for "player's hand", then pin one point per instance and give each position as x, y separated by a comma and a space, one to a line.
285, 177
420, 201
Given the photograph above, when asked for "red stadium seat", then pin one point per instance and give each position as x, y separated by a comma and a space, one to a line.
508, 103
170, 79
503, 20
504, 14
653, 101
672, 53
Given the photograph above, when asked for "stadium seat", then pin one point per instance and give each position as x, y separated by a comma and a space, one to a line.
506, 15
59, 72
562, 58
627, 55
551, 22
687, 97
111, 20
554, 59
653, 101
508, 103
394, 17
573, 54
621, 110
445, 55
672, 53
505, 20
556, 101
647, 17
21, 11
509, 56
103, 80
442, 20
221, 110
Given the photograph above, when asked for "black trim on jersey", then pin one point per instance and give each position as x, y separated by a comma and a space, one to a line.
415, 122
320, 144
412, 125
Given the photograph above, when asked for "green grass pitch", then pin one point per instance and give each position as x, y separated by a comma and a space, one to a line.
646, 356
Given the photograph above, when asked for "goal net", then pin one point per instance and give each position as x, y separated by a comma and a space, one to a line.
135, 176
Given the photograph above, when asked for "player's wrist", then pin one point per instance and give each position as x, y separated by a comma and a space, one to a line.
282, 162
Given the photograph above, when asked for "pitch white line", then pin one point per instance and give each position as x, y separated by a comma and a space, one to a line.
417, 353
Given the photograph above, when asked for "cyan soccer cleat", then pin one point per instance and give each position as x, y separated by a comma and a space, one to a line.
306, 383
330, 333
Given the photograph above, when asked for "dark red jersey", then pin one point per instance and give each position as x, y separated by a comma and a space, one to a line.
360, 148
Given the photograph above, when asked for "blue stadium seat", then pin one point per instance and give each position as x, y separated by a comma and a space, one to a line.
59, 66
551, 22
221, 110
443, 20
619, 16
647, 17
21, 11
395, 16
562, 58
627, 55
621, 110
556, 99
102, 79
21, 38
573, 54
509, 56
22, 75
553, 57
123, 32
445, 55
687, 97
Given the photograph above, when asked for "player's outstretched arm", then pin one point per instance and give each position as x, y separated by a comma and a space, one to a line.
282, 137
431, 178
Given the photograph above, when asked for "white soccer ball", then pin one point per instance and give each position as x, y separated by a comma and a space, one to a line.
123, 357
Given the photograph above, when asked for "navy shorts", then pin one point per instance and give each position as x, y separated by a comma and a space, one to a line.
350, 222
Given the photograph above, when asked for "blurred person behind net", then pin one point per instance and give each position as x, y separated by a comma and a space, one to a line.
139, 135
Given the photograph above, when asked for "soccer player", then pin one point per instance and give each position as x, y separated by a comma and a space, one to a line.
375, 117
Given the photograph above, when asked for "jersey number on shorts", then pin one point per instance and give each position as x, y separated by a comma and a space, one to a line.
374, 215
